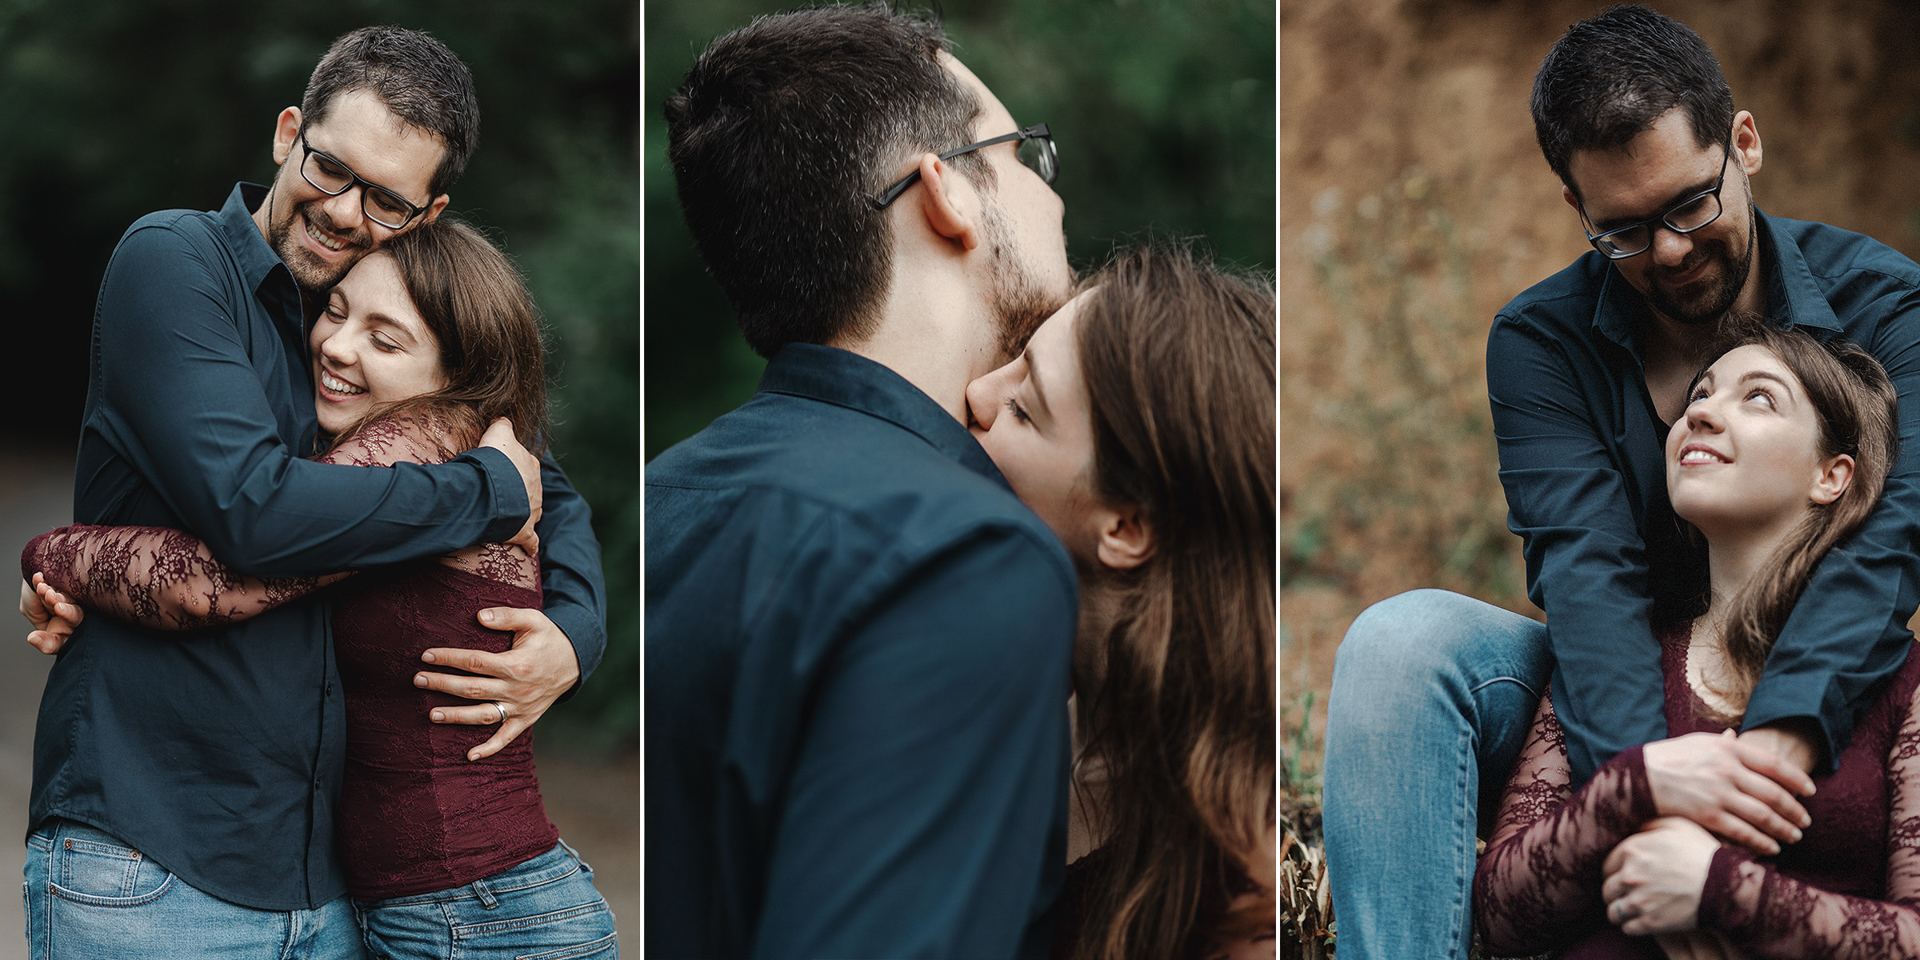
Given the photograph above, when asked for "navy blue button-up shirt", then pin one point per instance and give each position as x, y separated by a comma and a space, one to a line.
858, 646
219, 753
1582, 459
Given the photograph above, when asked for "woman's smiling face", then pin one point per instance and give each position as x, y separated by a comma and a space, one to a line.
1032, 418
1747, 450
370, 347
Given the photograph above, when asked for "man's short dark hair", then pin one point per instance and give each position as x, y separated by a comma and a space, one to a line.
780, 133
1610, 77
416, 76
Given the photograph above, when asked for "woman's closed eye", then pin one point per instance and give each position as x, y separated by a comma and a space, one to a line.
1020, 414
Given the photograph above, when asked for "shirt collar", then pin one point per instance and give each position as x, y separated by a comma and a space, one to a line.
1792, 297
846, 379
257, 261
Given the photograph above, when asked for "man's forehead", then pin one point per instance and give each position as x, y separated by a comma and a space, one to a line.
1658, 161
360, 131
991, 108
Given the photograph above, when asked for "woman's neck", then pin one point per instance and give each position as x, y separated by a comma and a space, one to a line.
1735, 556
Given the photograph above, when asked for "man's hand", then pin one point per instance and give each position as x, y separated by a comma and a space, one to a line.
1791, 740
1730, 786
500, 436
52, 615
1654, 878
526, 680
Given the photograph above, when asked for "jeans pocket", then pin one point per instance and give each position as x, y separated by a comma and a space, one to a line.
105, 874
605, 948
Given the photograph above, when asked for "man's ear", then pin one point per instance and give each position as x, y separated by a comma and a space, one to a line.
432, 213
285, 131
1125, 539
1833, 479
1566, 193
945, 200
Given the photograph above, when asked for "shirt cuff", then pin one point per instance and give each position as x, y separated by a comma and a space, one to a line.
506, 492
583, 631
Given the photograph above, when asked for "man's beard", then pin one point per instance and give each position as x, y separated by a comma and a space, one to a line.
1020, 304
309, 271
1712, 304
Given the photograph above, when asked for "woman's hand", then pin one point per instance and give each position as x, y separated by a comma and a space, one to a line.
1654, 878
52, 615
1730, 786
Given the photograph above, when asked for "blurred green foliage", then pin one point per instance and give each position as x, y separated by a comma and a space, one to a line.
115, 108
1163, 112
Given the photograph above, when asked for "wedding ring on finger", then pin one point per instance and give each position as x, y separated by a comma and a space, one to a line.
497, 705
1619, 911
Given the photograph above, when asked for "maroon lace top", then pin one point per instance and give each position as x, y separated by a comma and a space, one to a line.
415, 815
1849, 888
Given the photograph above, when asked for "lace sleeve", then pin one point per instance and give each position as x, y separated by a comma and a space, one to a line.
415, 436
435, 435
1768, 914
154, 576
1538, 885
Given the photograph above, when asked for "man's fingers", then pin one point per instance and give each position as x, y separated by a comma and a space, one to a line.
466, 688
1743, 833
1780, 806
473, 715
509, 730
46, 641
1762, 760
512, 618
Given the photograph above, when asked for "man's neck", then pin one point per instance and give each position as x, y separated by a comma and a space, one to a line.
1672, 352
934, 335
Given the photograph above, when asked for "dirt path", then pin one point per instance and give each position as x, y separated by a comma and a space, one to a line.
596, 806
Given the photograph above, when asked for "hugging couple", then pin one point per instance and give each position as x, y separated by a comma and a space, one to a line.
968, 487
1707, 430
328, 577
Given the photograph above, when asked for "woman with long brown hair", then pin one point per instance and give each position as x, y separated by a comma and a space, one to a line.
1139, 423
1782, 452
422, 345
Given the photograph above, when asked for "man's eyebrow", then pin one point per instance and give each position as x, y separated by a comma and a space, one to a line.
1685, 193
1033, 377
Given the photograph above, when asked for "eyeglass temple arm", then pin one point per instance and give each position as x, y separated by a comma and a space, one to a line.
893, 193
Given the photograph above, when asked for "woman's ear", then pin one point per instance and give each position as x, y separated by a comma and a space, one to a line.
1832, 480
1125, 539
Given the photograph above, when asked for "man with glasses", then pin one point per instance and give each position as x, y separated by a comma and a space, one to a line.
185, 784
1434, 692
857, 638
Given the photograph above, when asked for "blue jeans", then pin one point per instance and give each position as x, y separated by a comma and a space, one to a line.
1432, 696
91, 897
544, 909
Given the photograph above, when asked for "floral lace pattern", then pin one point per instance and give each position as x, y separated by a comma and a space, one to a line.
1850, 888
169, 580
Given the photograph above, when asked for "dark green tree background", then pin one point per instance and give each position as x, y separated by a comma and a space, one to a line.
1163, 112
110, 109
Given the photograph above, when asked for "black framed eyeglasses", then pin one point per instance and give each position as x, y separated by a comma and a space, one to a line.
1037, 152
333, 178
1683, 218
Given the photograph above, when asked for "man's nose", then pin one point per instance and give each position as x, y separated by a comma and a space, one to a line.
344, 209
1670, 249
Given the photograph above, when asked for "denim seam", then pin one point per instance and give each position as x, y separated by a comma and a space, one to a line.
1516, 681
76, 896
491, 927
565, 953
1463, 774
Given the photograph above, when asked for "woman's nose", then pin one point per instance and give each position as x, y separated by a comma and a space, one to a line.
980, 401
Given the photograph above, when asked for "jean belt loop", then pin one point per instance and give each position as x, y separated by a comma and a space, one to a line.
485, 893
